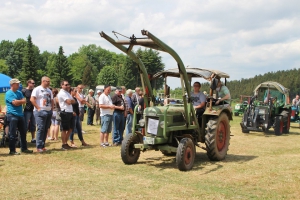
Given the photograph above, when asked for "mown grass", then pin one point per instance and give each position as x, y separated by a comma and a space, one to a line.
258, 166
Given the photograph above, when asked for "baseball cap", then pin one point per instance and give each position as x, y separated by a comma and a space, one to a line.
118, 88
98, 91
90, 90
14, 80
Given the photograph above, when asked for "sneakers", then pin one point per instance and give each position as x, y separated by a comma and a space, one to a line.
83, 132
33, 141
26, 151
103, 145
65, 147
41, 150
14, 153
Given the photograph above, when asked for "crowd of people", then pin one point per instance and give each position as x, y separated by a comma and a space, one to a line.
46, 111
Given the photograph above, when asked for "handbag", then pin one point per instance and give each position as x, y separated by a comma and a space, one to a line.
58, 118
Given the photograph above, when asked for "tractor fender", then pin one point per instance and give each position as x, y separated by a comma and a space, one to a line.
218, 112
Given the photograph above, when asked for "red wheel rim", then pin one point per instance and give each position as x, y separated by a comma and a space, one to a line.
188, 155
221, 136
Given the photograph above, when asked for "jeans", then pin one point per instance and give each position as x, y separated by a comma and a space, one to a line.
15, 122
28, 116
90, 118
43, 122
118, 119
78, 128
129, 123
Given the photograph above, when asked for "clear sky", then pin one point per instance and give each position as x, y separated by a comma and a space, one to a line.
241, 37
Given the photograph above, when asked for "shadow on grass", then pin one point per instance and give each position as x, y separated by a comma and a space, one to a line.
201, 162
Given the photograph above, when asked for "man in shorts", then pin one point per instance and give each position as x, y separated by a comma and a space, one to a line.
65, 101
106, 110
42, 100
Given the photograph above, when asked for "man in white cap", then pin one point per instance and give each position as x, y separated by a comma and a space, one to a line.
14, 100
91, 103
97, 106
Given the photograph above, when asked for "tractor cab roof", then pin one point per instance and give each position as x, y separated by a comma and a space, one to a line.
274, 86
192, 72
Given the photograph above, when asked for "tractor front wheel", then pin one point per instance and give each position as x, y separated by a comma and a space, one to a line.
129, 154
278, 125
236, 114
185, 155
217, 137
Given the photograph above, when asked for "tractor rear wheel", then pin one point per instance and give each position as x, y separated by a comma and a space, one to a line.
278, 125
217, 137
185, 155
129, 154
286, 121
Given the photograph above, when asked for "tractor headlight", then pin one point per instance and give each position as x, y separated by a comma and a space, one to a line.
262, 111
162, 124
237, 107
142, 123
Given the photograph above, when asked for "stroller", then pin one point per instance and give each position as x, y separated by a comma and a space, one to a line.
5, 132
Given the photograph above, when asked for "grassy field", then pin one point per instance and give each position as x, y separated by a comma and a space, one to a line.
258, 166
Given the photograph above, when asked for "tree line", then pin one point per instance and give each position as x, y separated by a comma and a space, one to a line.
91, 65
288, 78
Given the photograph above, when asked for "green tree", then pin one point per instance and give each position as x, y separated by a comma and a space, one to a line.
107, 76
14, 59
5, 47
3, 67
128, 74
29, 65
153, 63
59, 69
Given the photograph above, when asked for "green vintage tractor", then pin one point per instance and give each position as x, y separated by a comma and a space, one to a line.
240, 108
173, 129
268, 108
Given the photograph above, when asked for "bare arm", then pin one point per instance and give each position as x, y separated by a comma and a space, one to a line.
201, 105
70, 101
18, 102
32, 100
107, 106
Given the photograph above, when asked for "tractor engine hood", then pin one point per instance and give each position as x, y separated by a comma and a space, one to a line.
160, 110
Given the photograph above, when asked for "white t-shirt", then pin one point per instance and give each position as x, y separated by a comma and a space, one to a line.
80, 104
43, 97
62, 97
105, 100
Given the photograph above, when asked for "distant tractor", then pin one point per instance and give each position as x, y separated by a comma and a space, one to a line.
240, 108
268, 108
173, 129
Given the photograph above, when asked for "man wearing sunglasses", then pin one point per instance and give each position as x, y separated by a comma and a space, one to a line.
28, 109
65, 101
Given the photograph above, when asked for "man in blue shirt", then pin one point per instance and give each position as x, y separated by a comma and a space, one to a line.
14, 100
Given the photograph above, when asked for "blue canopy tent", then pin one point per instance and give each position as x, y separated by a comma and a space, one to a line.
4, 83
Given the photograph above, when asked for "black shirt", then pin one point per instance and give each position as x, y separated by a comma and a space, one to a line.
117, 100
75, 107
27, 94
141, 103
